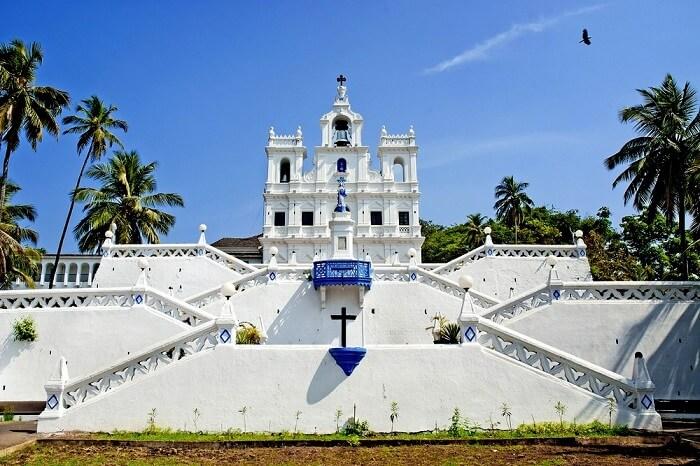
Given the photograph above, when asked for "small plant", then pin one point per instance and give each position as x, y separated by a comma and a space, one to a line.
248, 334
505, 412
24, 329
612, 406
296, 421
195, 417
151, 421
244, 412
338, 415
560, 408
455, 422
451, 333
394, 414
357, 427
8, 414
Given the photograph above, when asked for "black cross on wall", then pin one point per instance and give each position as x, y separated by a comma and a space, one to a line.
343, 317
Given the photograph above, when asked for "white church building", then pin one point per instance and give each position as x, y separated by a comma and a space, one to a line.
348, 317
384, 203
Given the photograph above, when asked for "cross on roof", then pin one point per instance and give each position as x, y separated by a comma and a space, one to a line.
343, 317
341, 79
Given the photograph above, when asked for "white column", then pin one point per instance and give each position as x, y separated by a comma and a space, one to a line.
43, 271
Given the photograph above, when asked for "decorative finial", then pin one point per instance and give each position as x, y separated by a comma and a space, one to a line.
299, 133
272, 132
384, 133
411, 131
341, 80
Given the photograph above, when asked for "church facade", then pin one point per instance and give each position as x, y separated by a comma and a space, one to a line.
384, 202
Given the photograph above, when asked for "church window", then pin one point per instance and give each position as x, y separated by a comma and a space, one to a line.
375, 217
398, 170
342, 165
307, 218
342, 243
279, 219
341, 135
284, 171
403, 217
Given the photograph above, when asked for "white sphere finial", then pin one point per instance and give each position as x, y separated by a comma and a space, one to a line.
228, 290
465, 281
202, 228
411, 253
487, 230
578, 234
142, 263
274, 251
109, 234
551, 261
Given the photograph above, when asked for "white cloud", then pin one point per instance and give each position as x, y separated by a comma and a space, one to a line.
481, 50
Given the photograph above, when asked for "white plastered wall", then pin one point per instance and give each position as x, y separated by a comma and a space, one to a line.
427, 382
394, 313
89, 339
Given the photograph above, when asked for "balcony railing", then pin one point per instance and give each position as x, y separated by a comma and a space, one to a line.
342, 272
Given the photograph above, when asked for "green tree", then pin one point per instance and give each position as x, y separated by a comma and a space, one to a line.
18, 260
127, 198
658, 161
24, 106
94, 122
512, 202
475, 230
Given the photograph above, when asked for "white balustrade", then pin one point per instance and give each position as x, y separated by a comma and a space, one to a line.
81, 298
180, 250
559, 364
593, 291
511, 250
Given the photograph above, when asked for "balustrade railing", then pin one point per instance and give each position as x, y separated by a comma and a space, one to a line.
342, 272
593, 291
180, 250
559, 364
202, 338
510, 250
80, 298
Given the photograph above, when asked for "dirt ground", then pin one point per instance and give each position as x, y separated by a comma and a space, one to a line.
48, 454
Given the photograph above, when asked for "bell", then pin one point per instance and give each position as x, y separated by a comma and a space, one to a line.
342, 137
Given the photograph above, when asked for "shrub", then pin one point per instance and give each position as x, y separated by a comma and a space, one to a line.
8, 414
450, 333
24, 329
248, 334
357, 427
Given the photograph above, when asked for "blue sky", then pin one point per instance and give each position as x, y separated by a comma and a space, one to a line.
492, 89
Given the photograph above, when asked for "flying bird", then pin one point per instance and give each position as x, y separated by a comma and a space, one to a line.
586, 39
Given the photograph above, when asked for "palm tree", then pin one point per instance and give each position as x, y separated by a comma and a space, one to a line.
475, 230
659, 160
126, 198
93, 121
17, 260
24, 106
512, 203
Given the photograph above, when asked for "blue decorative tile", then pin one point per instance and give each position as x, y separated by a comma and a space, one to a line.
646, 401
470, 334
489, 252
556, 294
138, 299
225, 336
272, 276
413, 276
52, 402
582, 253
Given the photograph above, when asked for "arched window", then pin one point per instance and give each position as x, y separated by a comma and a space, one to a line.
342, 165
398, 170
284, 171
342, 134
